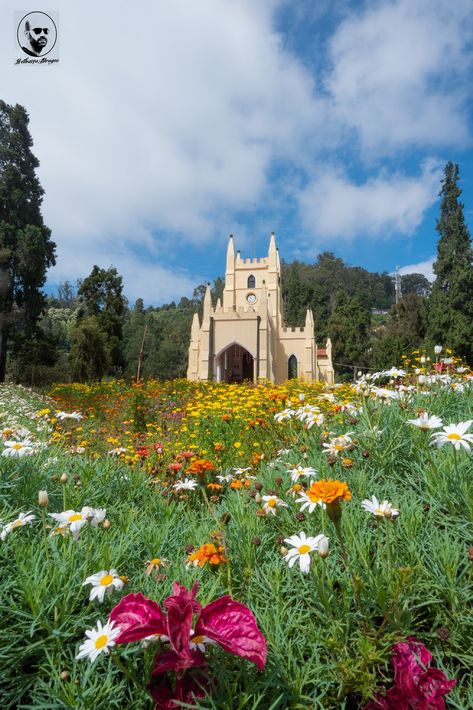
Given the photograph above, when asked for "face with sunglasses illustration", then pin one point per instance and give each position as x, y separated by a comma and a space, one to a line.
37, 33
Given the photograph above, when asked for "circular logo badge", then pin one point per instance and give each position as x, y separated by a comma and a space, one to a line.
36, 34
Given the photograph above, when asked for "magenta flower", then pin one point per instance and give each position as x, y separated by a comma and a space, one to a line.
224, 621
415, 684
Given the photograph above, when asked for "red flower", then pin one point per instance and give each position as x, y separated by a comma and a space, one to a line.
415, 684
225, 621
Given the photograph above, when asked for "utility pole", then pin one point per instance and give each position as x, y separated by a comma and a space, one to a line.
397, 285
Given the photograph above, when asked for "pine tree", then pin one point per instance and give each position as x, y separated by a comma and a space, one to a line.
102, 297
450, 317
26, 250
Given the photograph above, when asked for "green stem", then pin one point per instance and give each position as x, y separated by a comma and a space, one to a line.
388, 548
354, 578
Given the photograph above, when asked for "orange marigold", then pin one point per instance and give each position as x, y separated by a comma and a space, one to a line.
199, 466
329, 491
213, 554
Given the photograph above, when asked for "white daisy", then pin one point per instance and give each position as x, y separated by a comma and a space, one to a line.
454, 434
271, 503
76, 416
302, 547
187, 484
227, 478
18, 448
102, 582
379, 510
75, 520
199, 642
99, 640
241, 471
300, 472
394, 372
337, 444
285, 415
424, 422
308, 502
22, 519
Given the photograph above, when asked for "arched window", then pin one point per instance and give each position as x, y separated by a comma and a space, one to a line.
292, 368
251, 281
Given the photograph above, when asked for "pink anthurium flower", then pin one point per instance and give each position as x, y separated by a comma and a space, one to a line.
415, 684
224, 621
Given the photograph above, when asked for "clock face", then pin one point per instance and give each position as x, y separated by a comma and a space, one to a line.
251, 298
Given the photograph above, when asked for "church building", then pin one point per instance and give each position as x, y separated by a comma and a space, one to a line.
245, 337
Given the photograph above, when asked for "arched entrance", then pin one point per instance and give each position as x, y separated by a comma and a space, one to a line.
234, 364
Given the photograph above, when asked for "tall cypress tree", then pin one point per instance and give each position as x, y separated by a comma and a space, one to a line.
26, 250
450, 312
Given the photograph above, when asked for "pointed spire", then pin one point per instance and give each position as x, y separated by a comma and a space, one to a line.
230, 254
308, 320
195, 327
272, 244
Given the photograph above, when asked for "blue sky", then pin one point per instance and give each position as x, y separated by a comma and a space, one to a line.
164, 127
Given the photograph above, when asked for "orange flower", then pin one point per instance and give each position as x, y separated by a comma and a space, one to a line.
213, 554
218, 446
331, 493
236, 485
214, 486
175, 466
200, 466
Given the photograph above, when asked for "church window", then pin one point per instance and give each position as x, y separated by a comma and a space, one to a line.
292, 368
251, 281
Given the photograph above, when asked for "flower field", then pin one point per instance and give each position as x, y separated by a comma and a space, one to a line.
178, 544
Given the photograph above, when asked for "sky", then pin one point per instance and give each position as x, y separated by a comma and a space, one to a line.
166, 125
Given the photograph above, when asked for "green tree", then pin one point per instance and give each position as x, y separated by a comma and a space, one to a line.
450, 320
415, 283
89, 356
349, 330
26, 250
102, 298
404, 332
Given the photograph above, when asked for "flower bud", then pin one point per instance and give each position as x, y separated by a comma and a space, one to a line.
283, 551
257, 497
43, 499
63, 478
64, 675
301, 396
437, 349
323, 547
106, 523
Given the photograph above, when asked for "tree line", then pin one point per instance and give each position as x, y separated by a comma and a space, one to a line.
88, 330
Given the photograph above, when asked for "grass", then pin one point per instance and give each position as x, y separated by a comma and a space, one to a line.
412, 575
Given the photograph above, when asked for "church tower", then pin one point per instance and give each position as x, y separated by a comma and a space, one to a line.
245, 337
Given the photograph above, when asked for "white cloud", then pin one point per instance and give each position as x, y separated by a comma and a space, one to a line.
333, 206
158, 119
423, 267
398, 74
